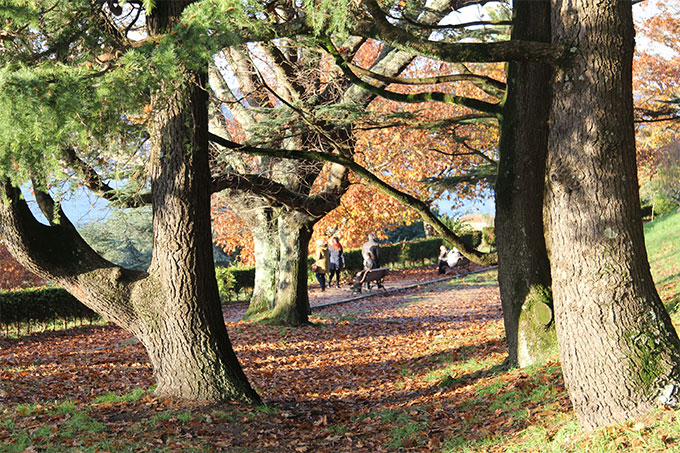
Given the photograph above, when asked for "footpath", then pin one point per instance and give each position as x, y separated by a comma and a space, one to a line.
397, 280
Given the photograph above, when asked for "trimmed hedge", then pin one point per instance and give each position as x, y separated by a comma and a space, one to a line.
41, 305
232, 280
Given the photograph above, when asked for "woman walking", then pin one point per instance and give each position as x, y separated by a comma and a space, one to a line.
337, 261
321, 263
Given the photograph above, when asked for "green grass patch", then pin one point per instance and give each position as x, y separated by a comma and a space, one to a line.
113, 398
485, 278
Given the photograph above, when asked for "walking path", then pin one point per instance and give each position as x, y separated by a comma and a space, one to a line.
396, 281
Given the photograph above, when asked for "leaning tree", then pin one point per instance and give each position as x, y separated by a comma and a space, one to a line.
88, 87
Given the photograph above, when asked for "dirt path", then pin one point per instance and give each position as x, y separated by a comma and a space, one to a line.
396, 280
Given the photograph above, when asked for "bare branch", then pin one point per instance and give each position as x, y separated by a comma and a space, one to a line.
96, 184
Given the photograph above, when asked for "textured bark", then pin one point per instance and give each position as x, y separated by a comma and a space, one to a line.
173, 308
266, 242
524, 269
619, 351
292, 300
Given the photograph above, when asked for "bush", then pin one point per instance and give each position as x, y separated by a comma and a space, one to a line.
489, 236
472, 239
41, 305
232, 280
412, 251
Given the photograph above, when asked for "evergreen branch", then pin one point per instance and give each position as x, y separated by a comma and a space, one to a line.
96, 184
422, 208
447, 98
380, 28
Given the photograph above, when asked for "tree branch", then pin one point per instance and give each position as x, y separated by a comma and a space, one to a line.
380, 28
497, 85
315, 206
422, 208
96, 184
447, 98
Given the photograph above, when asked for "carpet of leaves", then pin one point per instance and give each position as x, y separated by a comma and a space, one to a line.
418, 370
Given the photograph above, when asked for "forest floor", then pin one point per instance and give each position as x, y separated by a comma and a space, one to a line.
415, 370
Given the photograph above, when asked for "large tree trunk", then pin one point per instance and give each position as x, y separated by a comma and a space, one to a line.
173, 308
524, 269
184, 330
619, 351
292, 300
266, 244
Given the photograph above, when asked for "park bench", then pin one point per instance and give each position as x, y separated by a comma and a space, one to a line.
370, 276
463, 264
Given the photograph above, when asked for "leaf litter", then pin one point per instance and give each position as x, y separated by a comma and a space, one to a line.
417, 370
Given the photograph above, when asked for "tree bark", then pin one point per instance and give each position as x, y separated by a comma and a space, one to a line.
524, 268
619, 351
266, 243
292, 300
173, 308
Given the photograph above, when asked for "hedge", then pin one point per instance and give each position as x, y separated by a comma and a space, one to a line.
41, 305
232, 280
401, 253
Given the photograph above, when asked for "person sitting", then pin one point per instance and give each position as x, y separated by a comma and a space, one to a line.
455, 259
369, 263
371, 245
441, 263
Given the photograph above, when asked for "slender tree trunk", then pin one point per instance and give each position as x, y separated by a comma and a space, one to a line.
524, 268
619, 350
266, 244
292, 300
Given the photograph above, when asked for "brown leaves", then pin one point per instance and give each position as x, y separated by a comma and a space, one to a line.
365, 377
13, 275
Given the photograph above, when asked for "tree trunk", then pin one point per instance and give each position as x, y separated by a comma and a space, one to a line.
524, 268
184, 330
292, 300
266, 244
619, 351
173, 308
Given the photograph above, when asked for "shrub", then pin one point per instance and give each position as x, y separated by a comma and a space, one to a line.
41, 305
489, 236
232, 280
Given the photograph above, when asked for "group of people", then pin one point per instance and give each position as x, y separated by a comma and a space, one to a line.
330, 259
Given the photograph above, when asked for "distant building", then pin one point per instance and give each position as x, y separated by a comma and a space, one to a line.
477, 221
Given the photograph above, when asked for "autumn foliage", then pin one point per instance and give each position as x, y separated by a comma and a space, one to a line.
657, 85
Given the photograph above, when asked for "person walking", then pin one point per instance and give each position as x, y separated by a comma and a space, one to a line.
337, 261
321, 263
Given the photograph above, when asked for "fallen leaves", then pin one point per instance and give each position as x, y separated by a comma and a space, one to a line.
366, 376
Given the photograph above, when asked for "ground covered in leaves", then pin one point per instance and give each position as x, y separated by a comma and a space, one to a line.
416, 370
